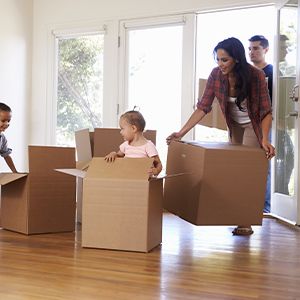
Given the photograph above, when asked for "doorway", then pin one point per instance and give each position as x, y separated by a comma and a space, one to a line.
285, 197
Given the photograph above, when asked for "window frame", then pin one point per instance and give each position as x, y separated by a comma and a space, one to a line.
110, 31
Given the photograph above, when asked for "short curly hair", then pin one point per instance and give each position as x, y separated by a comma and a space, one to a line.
135, 118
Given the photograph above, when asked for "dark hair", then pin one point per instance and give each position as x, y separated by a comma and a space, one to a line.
4, 107
283, 37
236, 50
135, 118
260, 38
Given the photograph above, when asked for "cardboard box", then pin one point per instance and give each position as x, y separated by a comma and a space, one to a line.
122, 209
98, 143
42, 201
214, 119
101, 141
223, 184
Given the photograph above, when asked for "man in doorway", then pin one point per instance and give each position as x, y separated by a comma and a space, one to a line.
258, 48
285, 154
285, 69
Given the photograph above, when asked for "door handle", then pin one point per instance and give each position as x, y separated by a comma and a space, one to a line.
293, 114
293, 94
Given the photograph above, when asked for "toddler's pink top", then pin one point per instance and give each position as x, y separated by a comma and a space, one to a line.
146, 150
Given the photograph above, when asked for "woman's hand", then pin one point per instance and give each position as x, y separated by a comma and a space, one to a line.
269, 149
175, 136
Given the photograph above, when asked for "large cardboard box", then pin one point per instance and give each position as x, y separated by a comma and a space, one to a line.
122, 209
223, 184
43, 200
97, 143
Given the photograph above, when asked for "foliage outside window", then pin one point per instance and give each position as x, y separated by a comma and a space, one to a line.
79, 86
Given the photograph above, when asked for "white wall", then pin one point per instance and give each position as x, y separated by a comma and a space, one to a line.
15, 74
57, 14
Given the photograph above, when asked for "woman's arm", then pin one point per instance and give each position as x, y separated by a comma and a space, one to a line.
265, 126
204, 106
194, 119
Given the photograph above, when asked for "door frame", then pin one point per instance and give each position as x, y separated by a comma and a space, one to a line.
283, 204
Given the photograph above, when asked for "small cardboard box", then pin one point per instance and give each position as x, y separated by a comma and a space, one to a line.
223, 184
42, 201
98, 143
122, 209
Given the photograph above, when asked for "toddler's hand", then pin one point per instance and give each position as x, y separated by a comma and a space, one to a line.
152, 172
111, 157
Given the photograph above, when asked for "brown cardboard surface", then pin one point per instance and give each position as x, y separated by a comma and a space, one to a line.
215, 118
225, 185
44, 201
101, 142
14, 205
107, 140
9, 177
119, 212
126, 168
155, 213
97, 144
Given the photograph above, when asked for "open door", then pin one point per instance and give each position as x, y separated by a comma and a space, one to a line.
285, 188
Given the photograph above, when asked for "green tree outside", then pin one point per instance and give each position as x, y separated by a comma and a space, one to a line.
80, 86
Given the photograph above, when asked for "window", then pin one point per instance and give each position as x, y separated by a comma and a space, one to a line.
79, 85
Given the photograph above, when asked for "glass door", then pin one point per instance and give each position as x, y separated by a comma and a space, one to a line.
158, 62
285, 199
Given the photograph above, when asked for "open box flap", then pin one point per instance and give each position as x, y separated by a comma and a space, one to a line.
83, 145
126, 168
163, 175
73, 172
6, 178
82, 165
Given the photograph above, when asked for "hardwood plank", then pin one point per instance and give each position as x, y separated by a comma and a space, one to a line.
192, 263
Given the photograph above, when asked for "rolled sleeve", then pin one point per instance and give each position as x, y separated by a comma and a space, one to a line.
205, 102
4, 150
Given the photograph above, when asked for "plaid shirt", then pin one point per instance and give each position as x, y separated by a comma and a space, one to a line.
4, 150
259, 104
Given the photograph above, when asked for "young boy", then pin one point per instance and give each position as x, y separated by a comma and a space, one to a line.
5, 116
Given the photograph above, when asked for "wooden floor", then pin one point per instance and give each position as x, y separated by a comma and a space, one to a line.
192, 263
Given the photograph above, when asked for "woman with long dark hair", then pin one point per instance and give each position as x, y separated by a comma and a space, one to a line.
244, 99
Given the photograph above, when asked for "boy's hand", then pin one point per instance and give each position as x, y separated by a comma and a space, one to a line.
111, 157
